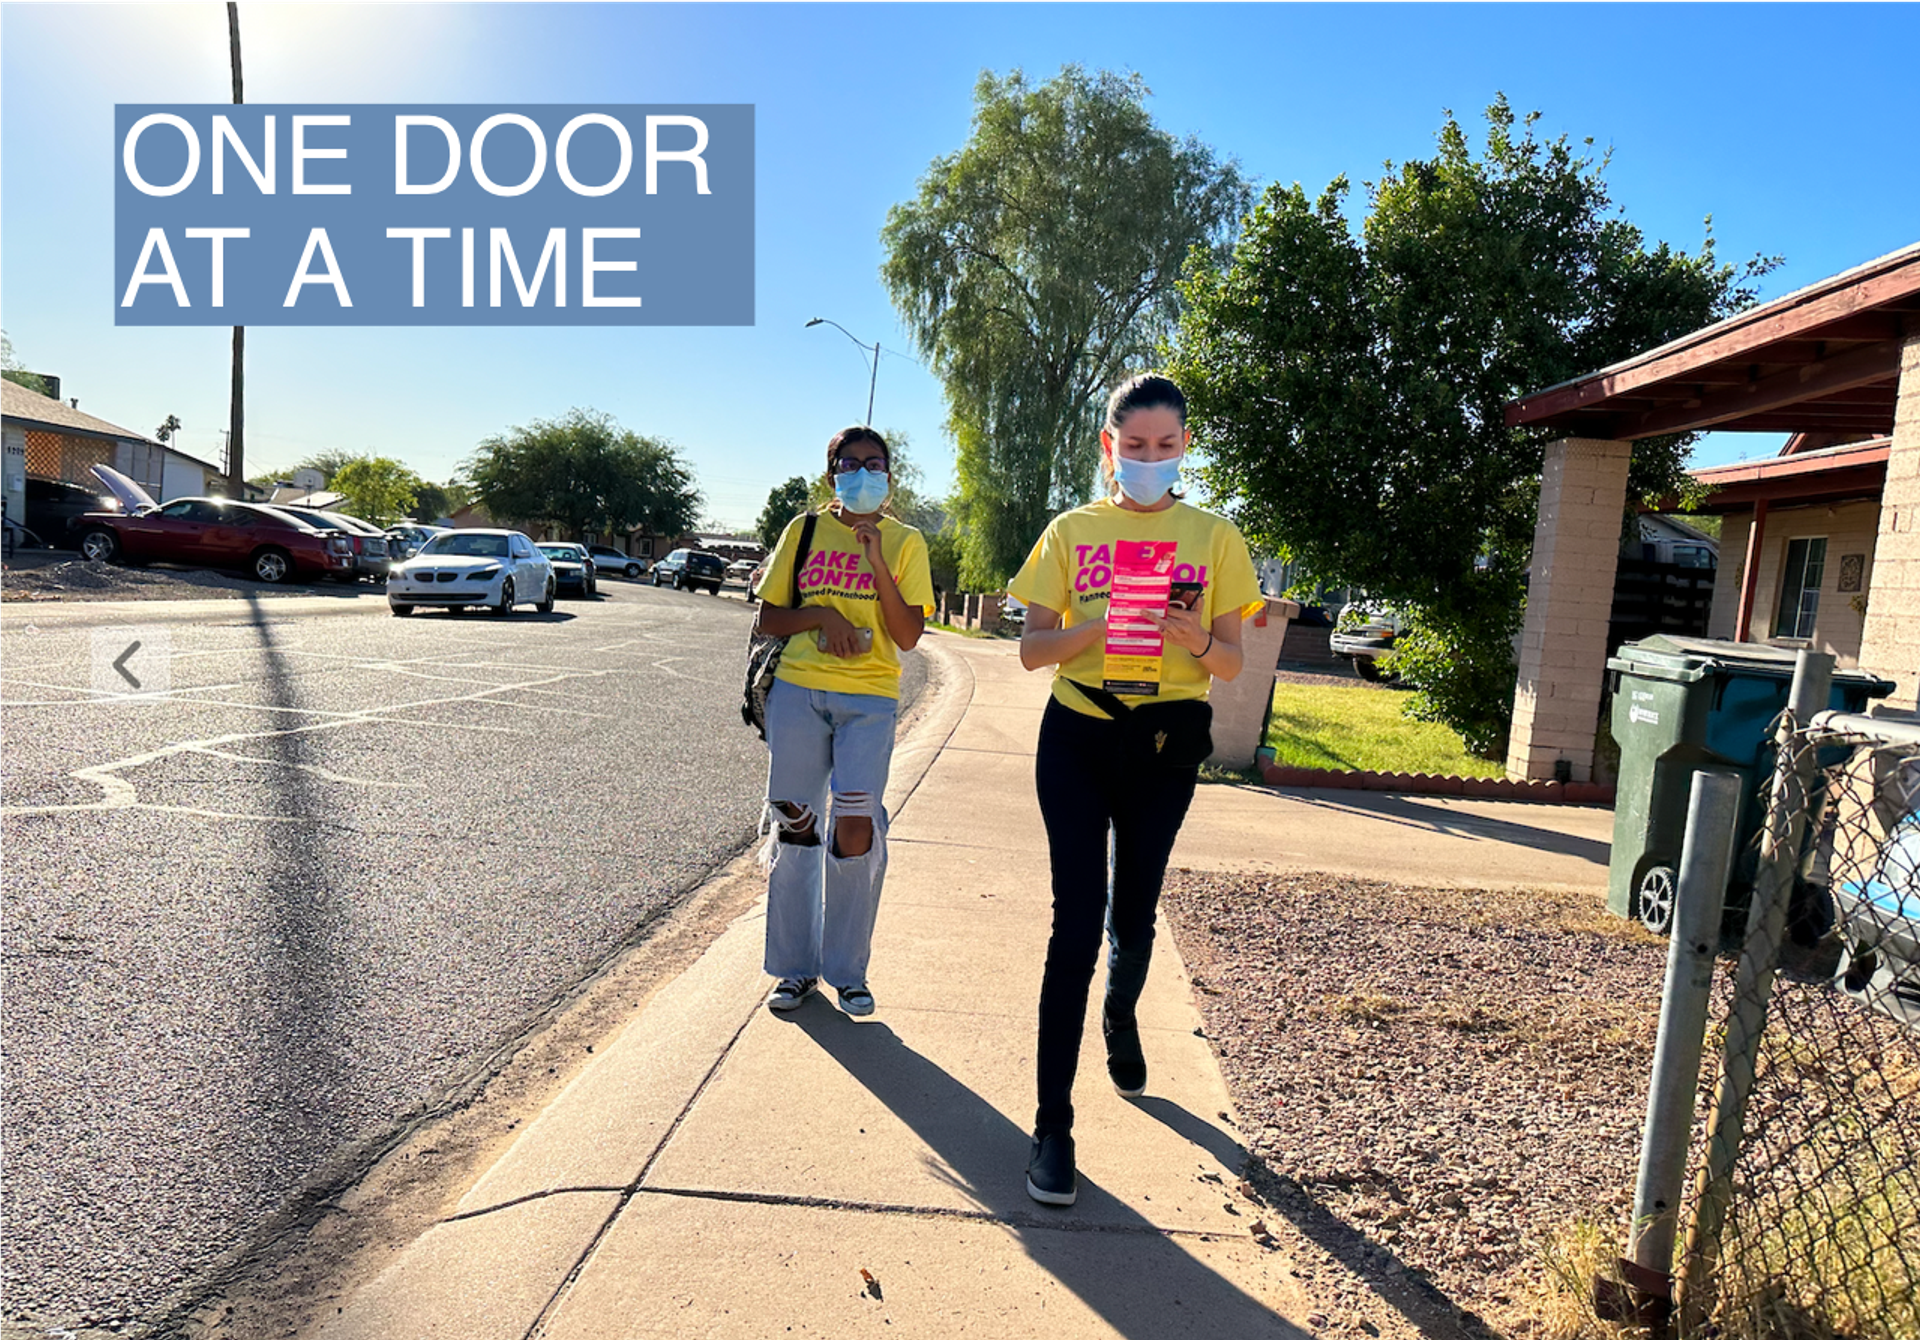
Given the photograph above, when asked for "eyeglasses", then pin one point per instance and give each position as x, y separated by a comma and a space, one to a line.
846, 465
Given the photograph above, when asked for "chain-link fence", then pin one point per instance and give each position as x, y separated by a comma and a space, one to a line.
1803, 1214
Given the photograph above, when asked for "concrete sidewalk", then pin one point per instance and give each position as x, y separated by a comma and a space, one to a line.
723, 1171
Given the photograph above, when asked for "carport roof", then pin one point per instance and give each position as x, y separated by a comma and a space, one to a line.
1823, 359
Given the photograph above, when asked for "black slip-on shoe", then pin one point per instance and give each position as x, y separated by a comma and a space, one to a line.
1126, 1063
1050, 1175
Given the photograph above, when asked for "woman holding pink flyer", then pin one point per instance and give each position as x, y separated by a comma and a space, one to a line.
1136, 600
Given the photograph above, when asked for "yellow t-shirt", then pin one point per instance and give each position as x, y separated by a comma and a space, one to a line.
1071, 571
836, 575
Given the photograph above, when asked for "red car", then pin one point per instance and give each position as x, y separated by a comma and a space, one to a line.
269, 546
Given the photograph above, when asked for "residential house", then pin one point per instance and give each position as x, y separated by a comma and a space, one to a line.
52, 439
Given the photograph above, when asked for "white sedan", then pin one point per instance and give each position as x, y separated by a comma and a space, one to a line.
458, 568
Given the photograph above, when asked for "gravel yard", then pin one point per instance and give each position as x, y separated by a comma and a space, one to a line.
1437, 1078
43, 575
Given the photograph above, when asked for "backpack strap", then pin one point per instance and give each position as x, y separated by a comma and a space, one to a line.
802, 553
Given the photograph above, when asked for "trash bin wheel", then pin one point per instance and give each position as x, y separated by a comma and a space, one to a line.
1857, 967
1655, 900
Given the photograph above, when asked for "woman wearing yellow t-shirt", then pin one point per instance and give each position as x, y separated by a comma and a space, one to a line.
1125, 702
865, 592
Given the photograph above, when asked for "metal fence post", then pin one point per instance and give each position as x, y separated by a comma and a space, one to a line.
1713, 811
1780, 843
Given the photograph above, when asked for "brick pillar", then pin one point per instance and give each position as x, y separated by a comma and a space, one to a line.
990, 606
1890, 641
1576, 547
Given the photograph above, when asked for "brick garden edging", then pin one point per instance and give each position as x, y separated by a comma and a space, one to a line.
1428, 784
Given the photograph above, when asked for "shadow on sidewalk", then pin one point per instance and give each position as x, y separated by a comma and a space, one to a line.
1395, 809
1127, 1270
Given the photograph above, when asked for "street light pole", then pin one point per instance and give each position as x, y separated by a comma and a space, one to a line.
873, 381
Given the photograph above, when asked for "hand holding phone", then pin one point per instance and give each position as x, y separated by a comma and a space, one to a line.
1187, 594
862, 642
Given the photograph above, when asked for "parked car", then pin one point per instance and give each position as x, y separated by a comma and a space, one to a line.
691, 569
52, 506
608, 559
742, 570
269, 546
370, 560
573, 568
1880, 924
460, 568
1363, 634
405, 539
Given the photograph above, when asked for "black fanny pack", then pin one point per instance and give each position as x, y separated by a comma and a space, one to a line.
1174, 734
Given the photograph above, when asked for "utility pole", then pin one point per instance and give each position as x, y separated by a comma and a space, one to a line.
237, 405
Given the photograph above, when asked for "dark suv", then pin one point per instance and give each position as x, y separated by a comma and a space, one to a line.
691, 569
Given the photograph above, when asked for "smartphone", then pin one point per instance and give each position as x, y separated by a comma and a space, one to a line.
865, 634
1186, 594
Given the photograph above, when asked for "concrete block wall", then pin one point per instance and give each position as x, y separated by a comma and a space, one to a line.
1890, 643
1562, 662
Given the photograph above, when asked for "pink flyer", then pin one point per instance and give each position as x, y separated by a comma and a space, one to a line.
1142, 583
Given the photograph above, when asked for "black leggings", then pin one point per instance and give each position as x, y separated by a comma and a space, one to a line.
1087, 789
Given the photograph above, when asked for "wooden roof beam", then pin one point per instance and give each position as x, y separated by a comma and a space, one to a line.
1875, 362
1739, 338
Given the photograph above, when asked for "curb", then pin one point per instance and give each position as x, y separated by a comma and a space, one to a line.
1429, 784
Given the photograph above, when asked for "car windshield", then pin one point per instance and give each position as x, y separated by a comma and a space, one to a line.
458, 545
565, 552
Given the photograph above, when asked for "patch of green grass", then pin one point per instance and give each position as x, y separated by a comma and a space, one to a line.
971, 632
1360, 728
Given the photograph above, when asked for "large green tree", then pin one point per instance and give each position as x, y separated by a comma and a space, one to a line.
584, 472
377, 488
1036, 266
784, 503
1348, 388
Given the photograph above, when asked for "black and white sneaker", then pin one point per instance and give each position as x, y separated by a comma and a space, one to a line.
1050, 1175
855, 1000
791, 991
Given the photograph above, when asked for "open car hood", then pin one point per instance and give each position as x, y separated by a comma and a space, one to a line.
131, 495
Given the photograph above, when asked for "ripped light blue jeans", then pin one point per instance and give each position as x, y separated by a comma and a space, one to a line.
821, 907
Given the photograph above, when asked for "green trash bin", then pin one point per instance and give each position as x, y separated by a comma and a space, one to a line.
1681, 705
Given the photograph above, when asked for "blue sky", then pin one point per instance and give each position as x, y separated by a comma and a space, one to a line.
1790, 124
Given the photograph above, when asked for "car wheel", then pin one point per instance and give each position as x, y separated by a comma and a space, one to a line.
546, 606
679, 581
401, 611
593, 590
633, 571
656, 579
272, 566
505, 607
1367, 669
100, 545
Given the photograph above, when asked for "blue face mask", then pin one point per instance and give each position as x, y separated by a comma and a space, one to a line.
1146, 482
862, 490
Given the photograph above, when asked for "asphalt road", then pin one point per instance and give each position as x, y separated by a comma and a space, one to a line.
257, 919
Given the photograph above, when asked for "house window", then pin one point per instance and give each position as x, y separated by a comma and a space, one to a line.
1800, 588
644, 548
